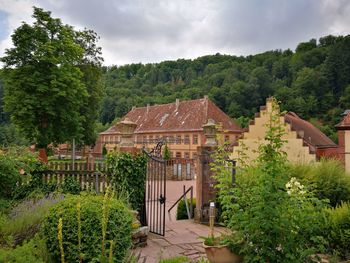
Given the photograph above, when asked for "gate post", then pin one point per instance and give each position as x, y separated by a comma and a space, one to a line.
205, 191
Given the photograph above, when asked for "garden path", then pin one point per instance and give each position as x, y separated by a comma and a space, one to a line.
181, 239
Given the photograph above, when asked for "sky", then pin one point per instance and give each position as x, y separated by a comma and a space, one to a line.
150, 31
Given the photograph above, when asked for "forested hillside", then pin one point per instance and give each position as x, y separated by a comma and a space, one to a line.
313, 81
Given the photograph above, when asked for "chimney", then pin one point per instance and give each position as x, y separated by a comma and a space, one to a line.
148, 107
177, 104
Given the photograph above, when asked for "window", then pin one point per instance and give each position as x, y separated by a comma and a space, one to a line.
227, 138
195, 139
178, 139
187, 155
171, 140
151, 139
144, 139
187, 139
194, 155
178, 155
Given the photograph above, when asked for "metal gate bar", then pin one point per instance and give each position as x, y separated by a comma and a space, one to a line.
155, 190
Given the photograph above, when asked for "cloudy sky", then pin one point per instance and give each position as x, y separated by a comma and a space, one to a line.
145, 31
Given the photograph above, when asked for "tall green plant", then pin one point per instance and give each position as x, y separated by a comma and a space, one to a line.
271, 222
128, 174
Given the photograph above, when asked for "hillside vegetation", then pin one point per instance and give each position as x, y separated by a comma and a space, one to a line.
313, 81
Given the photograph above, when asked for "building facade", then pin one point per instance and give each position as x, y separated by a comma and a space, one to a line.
180, 124
304, 143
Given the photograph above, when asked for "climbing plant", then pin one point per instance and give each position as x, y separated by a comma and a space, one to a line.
128, 172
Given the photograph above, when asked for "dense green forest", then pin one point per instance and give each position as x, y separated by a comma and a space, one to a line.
313, 81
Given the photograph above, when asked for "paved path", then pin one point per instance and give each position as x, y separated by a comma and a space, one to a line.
181, 239
174, 191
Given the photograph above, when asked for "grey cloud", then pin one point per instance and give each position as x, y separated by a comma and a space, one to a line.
156, 30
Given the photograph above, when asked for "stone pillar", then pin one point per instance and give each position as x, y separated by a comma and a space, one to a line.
127, 129
205, 191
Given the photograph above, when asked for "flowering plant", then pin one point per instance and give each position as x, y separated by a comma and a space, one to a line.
278, 219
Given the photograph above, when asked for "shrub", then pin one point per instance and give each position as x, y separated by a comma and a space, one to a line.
117, 227
9, 176
5, 205
180, 259
181, 212
32, 252
128, 174
17, 168
338, 224
71, 185
24, 220
328, 178
274, 217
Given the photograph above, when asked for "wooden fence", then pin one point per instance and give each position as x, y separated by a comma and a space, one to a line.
89, 176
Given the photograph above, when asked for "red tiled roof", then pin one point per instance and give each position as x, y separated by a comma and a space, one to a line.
181, 116
110, 130
345, 123
309, 133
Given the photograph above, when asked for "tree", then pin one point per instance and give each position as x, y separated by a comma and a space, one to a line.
49, 76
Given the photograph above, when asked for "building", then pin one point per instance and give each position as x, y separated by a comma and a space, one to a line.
179, 123
344, 140
304, 142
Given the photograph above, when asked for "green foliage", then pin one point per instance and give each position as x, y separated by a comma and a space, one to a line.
119, 227
128, 175
9, 135
274, 217
34, 251
166, 153
5, 206
338, 229
54, 71
327, 178
180, 259
311, 82
104, 150
70, 185
24, 221
17, 165
181, 212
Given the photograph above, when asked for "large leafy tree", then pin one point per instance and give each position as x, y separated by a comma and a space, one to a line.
52, 80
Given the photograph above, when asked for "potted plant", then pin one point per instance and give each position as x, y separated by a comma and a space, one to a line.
219, 250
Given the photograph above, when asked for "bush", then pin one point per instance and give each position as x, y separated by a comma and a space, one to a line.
338, 223
9, 176
328, 179
71, 185
128, 173
180, 259
32, 252
181, 212
24, 221
274, 217
5, 205
18, 166
92, 212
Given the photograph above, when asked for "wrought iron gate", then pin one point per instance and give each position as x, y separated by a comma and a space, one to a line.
155, 190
